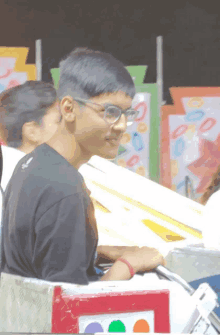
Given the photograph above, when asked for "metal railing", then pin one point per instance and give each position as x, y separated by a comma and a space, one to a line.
162, 271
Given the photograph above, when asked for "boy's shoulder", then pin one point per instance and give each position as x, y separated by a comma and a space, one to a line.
45, 169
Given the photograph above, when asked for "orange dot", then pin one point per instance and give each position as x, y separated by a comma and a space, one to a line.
141, 171
125, 138
141, 326
174, 168
173, 187
121, 162
142, 127
195, 102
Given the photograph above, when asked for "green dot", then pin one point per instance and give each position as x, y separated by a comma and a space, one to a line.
116, 327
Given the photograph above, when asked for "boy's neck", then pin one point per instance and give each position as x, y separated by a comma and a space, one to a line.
66, 146
26, 148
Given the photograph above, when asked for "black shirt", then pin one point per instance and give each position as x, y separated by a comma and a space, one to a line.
47, 231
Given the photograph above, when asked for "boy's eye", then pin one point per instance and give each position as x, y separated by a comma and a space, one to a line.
102, 109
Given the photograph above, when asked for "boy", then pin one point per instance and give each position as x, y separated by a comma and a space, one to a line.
49, 227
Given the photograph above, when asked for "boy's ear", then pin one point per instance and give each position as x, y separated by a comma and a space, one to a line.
68, 108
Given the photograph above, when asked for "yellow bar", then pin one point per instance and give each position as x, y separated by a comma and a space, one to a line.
139, 205
164, 233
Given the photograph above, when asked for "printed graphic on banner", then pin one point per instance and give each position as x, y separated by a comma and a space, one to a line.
195, 144
13, 70
134, 149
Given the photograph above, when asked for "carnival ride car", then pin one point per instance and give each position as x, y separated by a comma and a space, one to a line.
130, 210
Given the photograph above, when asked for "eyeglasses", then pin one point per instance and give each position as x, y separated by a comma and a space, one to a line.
112, 113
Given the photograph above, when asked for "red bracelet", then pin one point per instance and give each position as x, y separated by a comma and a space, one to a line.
132, 272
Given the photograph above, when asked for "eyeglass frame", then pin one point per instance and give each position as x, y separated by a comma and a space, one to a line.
83, 101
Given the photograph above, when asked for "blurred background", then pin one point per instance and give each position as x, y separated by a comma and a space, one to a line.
190, 29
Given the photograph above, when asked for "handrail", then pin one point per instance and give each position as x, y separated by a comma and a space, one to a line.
161, 270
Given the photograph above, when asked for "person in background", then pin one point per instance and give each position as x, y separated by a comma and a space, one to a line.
211, 230
49, 225
10, 157
211, 200
29, 117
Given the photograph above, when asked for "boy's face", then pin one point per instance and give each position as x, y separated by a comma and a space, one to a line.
93, 134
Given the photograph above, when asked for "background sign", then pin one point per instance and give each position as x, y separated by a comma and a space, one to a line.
134, 149
194, 138
13, 70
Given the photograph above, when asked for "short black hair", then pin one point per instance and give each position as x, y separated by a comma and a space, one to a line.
87, 73
25, 103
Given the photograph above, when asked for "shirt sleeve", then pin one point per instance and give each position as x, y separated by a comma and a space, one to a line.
60, 246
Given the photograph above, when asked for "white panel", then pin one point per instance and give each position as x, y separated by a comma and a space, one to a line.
127, 223
128, 319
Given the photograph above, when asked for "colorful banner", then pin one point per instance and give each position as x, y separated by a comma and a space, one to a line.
134, 149
139, 149
13, 70
192, 126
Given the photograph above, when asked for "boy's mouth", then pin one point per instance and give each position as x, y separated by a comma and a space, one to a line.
114, 141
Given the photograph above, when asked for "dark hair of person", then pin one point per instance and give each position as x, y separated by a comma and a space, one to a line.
87, 73
25, 103
213, 187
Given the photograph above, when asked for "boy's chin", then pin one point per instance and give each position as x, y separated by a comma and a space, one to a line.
109, 156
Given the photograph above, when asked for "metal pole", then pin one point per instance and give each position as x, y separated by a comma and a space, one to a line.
38, 59
159, 90
160, 69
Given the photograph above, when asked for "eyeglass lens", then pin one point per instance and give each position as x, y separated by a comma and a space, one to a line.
113, 113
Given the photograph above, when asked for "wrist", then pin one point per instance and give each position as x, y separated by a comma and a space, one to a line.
119, 271
133, 262
126, 262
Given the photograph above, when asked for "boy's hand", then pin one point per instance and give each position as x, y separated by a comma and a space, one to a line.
144, 259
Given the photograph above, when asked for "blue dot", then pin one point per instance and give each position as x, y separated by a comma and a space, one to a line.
94, 327
2, 87
137, 141
195, 116
179, 147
